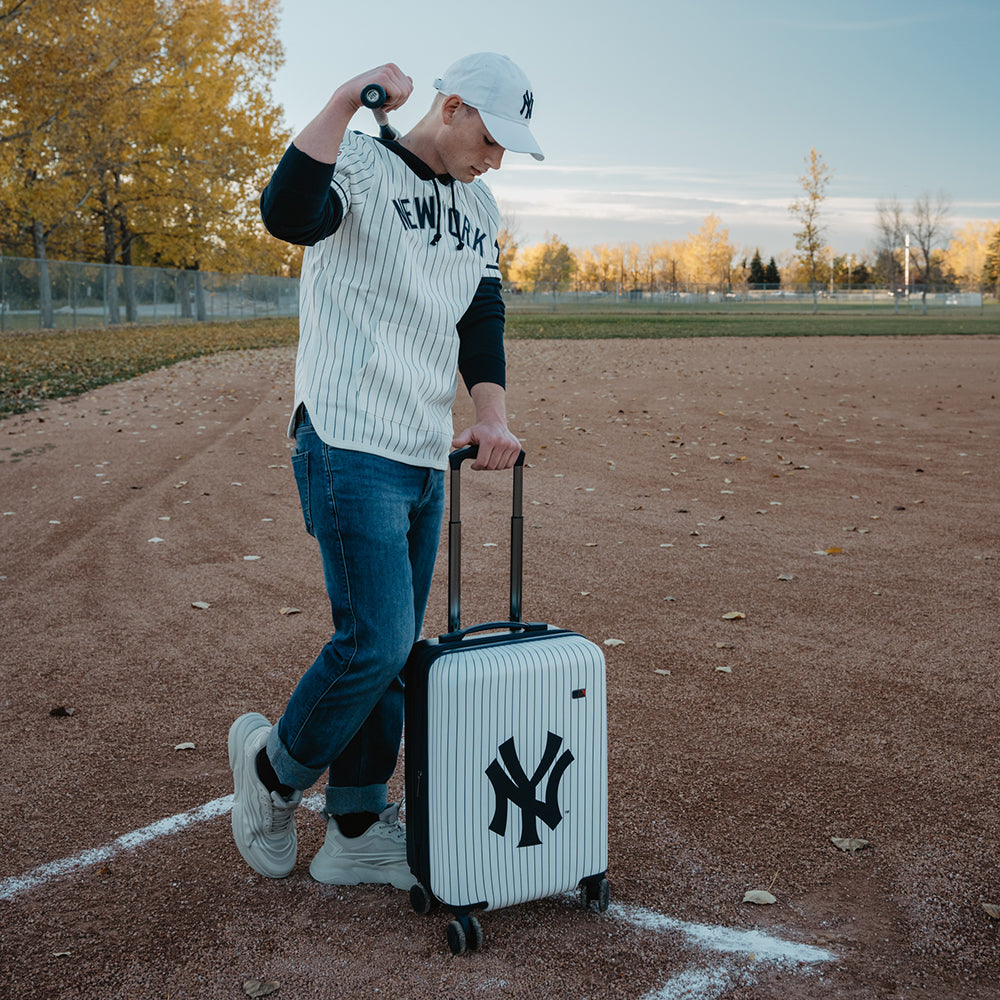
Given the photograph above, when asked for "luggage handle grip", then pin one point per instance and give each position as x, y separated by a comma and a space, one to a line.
525, 627
455, 460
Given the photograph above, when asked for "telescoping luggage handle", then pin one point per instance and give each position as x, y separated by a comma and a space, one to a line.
455, 460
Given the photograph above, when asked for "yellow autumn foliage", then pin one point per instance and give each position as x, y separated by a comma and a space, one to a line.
139, 131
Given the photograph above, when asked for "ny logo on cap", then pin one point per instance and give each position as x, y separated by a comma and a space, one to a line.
528, 102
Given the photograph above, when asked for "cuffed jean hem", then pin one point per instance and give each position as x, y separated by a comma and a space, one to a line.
371, 799
287, 768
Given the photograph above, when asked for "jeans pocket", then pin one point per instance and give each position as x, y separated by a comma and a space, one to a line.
300, 466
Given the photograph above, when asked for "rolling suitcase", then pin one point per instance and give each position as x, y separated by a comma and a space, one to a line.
505, 755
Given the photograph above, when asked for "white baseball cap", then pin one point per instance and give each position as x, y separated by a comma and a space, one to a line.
497, 88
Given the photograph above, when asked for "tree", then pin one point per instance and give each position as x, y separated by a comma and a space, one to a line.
508, 240
891, 227
707, 255
809, 239
772, 276
758, 274
991, 265
545, 265
598, 267
965, 256
49, 76
929, 221
663, 265
141, 130
636, 267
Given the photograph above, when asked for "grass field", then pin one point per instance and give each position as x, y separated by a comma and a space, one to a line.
36, 367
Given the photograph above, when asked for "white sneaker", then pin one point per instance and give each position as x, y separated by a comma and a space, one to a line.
377, 856
263, 822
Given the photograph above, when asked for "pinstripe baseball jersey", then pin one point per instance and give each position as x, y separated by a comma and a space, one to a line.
380, 299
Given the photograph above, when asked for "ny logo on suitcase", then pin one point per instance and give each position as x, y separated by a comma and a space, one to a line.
515, 787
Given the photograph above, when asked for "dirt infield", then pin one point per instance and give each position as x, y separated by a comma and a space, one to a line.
839, 494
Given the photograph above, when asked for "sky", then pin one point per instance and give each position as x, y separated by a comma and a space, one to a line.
654, 114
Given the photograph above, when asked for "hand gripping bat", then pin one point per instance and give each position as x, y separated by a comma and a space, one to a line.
373, 96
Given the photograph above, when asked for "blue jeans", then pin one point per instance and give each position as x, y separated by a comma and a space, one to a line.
378, 525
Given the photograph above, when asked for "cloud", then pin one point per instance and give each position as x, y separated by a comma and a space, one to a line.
594, 204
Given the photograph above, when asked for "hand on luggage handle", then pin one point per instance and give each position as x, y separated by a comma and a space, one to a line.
456, 458
455, 461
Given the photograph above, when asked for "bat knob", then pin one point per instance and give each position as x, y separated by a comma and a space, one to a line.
373, 96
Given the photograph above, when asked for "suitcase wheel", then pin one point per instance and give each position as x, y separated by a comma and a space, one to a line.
474, 937
595, 891
420, 899
464, 934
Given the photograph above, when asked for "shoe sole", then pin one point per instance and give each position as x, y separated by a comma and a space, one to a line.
361, 876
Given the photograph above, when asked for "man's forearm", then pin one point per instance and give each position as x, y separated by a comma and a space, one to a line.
490, 401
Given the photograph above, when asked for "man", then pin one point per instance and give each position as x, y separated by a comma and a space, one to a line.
400, 284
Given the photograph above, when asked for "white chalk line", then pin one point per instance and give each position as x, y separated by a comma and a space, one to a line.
10, 887
711, 983
730, 940
705, 984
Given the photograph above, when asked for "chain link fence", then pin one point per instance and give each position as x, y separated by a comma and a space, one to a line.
68, 295
761, 299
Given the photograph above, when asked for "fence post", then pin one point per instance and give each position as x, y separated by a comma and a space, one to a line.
3, 294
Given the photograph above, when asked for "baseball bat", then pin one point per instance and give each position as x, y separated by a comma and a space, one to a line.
373, 96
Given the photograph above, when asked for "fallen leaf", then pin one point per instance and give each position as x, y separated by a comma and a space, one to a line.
786, 576
61, 954
851, 844
664, 673
725, 645
260, 987
614, 642
730, 616
250, 558
760, 896
184, 746
289, 611
992, 910
156, 540
201, 605
724, 670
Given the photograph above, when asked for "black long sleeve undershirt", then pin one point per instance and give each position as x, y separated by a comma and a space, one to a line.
300, 206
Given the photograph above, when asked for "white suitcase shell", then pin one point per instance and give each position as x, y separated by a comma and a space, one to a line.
516, 769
